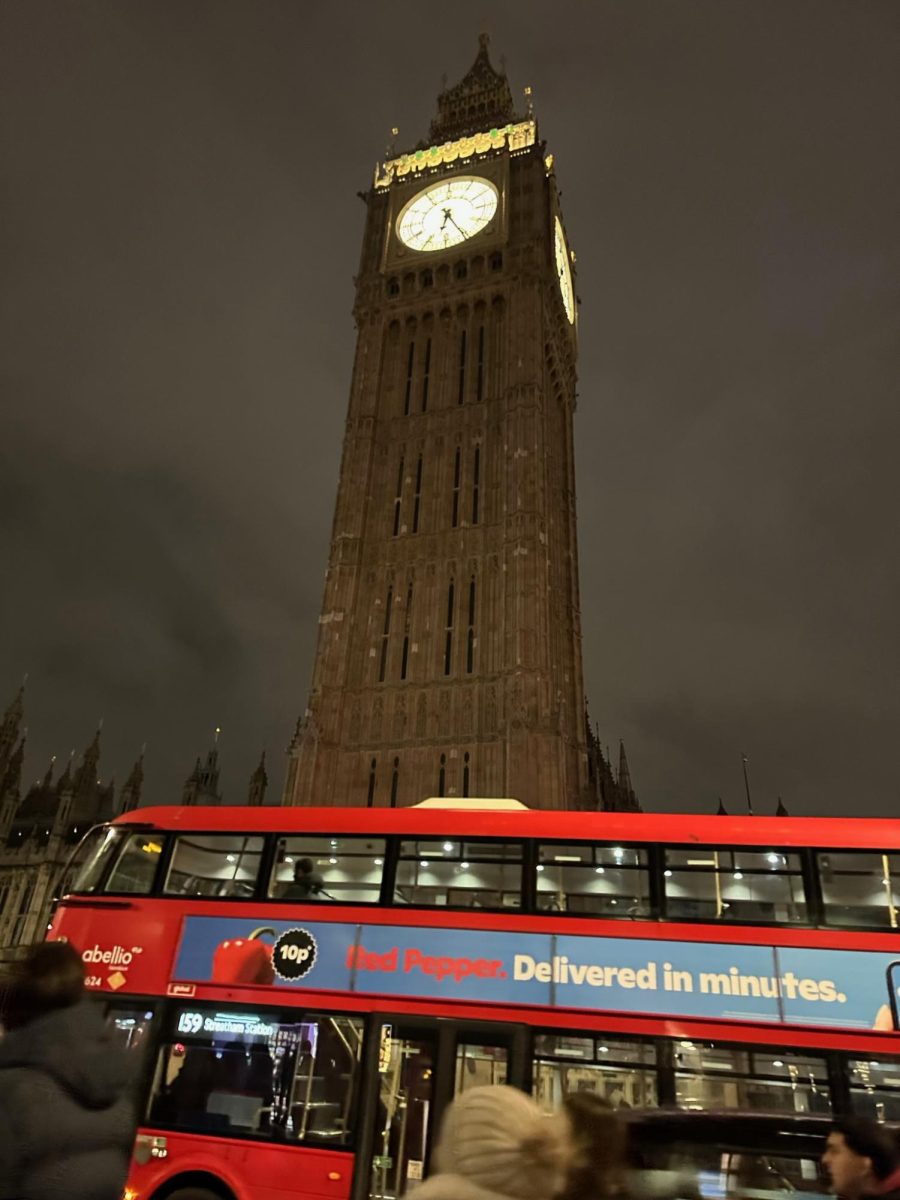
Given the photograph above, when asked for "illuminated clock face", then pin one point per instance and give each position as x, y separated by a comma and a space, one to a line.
447, 213
564, 271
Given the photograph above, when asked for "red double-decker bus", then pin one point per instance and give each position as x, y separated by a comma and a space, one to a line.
308, 988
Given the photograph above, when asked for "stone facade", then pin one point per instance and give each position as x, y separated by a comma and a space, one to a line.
40, 828
449, 652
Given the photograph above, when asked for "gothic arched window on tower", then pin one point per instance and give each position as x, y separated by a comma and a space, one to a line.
426, 371
462, 368
448, 639
398, 498
393, 286
470, 633
442, 775
479, 377
465, 790
386, 634
496, 261
427, 278
418, 496
457, 470
476, 483
370, 797
395, 780
410, 363
461, 270
404, 659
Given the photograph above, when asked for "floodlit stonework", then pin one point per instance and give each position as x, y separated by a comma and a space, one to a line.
449, 654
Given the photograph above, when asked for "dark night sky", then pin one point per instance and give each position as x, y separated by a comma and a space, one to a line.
179, 233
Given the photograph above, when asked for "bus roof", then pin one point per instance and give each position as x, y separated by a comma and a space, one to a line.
876, 833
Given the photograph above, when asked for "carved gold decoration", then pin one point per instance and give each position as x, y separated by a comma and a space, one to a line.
513, 137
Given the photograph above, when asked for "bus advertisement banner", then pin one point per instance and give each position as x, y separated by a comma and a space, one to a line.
790, 985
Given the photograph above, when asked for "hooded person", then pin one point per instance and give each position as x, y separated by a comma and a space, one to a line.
496, 1143
67, 1117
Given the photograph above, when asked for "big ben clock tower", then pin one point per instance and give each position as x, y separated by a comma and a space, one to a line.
449, 650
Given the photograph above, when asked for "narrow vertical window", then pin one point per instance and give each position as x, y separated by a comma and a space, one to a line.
448, 639
398, 498
442, 775
470, 633
395, 779
418, 497
409, 377
404, 660
476, 483
426, 371
466, 773
457, 470
479, 378
370, 797
385, 635
462, 368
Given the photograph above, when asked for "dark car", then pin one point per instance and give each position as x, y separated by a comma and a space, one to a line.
711, 1155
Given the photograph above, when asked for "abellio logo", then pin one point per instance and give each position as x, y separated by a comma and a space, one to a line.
295, 954
116, 956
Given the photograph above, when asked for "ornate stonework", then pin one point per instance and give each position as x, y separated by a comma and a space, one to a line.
450, 627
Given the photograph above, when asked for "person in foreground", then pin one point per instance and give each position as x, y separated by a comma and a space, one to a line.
496, 1142
862, 1158
67, 1119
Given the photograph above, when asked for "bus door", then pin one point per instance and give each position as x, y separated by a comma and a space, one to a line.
416, 1067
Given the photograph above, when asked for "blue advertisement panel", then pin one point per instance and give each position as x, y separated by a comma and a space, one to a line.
841, 988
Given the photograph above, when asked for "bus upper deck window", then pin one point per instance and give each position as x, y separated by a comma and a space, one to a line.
457, 874
609, 881
214, 864
94, 855
135, 868
313, 867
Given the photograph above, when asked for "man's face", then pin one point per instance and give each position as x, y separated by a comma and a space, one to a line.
851, 1173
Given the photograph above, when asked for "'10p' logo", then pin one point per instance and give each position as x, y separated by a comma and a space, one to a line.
295, 954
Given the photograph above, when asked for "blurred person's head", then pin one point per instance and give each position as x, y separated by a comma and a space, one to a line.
49, 977
859, 1156
598, 1147
498, 1139
303, 867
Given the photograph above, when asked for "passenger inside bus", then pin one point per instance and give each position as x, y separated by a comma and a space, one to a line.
307, 883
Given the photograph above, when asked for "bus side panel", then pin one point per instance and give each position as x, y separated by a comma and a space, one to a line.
123, 948
251, 1170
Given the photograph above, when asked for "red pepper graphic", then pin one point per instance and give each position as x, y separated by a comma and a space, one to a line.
244, 960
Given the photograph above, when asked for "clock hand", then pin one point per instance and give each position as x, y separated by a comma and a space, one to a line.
451, 218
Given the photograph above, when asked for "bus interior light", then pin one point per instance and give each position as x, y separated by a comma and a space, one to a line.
667, 873
738, 875
464, 866
599, 870
448, 847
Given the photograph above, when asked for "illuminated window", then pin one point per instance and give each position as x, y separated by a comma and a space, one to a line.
214, 864
450, 873
328, 867
734, 884
623, 1073
270, 1074
582, 877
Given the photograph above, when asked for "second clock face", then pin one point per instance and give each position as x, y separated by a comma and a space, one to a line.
447, 213
563, 270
